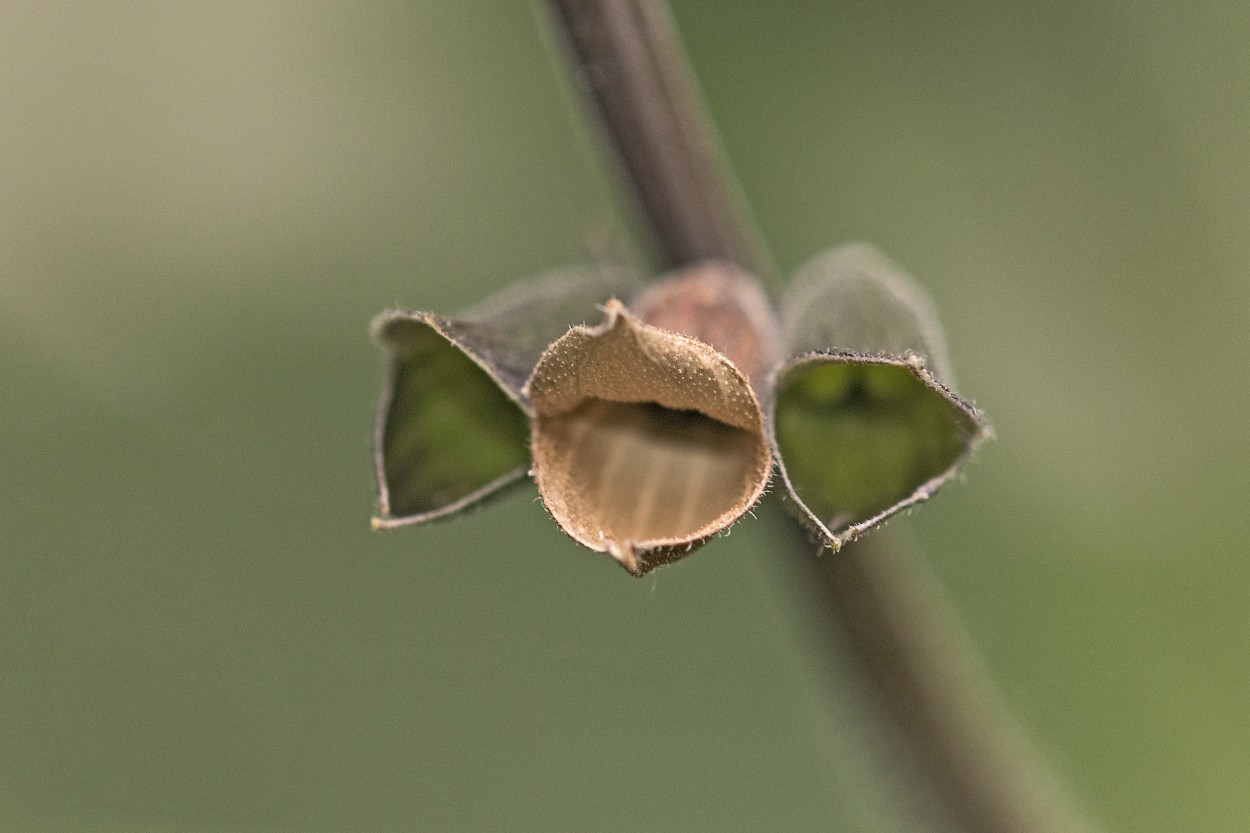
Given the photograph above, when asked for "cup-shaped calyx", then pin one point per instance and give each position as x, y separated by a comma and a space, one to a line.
452, 425
863, 420
646, 442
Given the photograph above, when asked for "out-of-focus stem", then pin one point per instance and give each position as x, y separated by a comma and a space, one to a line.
628, 59
877, 605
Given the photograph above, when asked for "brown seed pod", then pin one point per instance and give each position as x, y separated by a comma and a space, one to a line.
646, 442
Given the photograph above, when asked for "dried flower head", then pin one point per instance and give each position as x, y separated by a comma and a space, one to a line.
652, 430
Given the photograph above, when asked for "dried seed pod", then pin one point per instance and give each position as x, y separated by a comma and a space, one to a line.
452, 426
721, 305
646, 442
862, 418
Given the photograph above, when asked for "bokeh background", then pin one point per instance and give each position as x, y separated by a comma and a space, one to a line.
203, 204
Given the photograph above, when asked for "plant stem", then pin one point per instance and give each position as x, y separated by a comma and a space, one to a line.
629, 60
873, 605
882, 609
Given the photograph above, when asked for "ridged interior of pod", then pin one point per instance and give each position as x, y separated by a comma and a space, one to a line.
645, 440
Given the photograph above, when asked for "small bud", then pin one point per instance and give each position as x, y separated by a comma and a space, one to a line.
720, 305
646, 442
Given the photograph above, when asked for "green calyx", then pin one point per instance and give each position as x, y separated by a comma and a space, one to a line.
449, 429
860, 438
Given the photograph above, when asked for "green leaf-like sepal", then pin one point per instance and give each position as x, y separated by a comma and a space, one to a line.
863, 422
452, 425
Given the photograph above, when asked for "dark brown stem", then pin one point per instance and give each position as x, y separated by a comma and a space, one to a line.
628, 58
873, 605
882, 609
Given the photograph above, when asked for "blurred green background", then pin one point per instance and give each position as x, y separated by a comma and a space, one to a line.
203, 204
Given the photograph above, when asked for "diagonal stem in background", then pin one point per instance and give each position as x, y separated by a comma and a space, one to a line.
877, 606
629, 62
871, 605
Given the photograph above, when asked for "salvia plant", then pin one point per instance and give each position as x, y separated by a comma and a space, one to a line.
654, 416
